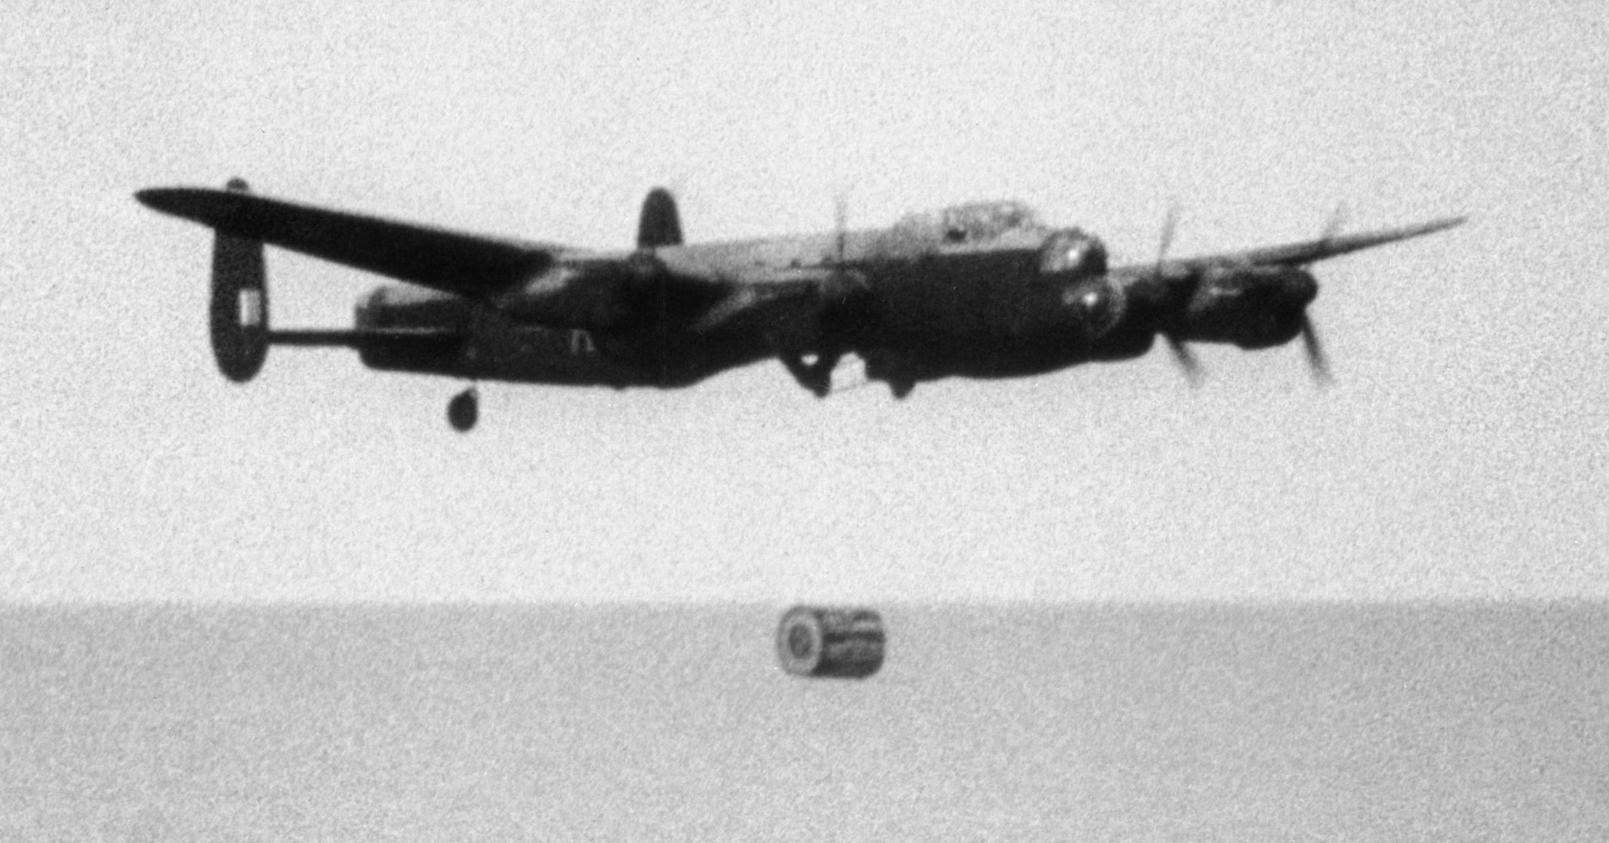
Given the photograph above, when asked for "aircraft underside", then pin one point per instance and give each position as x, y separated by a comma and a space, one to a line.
501, 350
989, 358
563, 357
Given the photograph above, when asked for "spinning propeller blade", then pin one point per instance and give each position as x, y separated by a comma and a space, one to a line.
1187, 361
1317, 360
1333, 227
1169, 223
1181, 352
840, 215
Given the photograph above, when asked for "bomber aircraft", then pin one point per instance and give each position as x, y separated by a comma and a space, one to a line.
980, 290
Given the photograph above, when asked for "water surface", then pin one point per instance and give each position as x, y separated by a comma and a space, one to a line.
1024, 722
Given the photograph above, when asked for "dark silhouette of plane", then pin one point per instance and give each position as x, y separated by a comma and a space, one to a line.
980, 290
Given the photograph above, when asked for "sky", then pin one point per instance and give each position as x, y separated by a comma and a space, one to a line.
1461, 452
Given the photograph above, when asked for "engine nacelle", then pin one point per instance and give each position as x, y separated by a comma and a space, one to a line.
407, 306
577, 294
239, 310
1251, 307
822, 642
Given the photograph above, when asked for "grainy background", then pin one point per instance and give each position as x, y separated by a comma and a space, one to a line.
1460, 453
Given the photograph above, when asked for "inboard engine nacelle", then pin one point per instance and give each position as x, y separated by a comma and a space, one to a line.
582, 294
1251, 307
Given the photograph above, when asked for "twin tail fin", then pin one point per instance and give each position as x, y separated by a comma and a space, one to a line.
239, 311
660, 224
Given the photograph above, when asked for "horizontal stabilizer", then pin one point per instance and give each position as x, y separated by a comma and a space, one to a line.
463, 264
365, 337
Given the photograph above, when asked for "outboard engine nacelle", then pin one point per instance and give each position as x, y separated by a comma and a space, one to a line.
1250, 307
239, 312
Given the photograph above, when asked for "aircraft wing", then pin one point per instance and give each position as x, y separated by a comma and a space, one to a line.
781, 303
463, 264
1291, 254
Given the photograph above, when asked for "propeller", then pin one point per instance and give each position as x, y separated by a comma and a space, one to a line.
840, 221
1169, 224
1317, 361
1187, 361
1333, 227
845, 280
1181, 353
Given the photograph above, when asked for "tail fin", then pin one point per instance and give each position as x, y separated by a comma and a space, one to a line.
660, 224
239, 303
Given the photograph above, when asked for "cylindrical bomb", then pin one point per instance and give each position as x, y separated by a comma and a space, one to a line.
830, 642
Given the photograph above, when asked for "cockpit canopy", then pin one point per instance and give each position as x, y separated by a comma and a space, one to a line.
971, 223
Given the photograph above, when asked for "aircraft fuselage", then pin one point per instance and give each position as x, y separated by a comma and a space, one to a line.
486, 344
981, 289
915, 307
